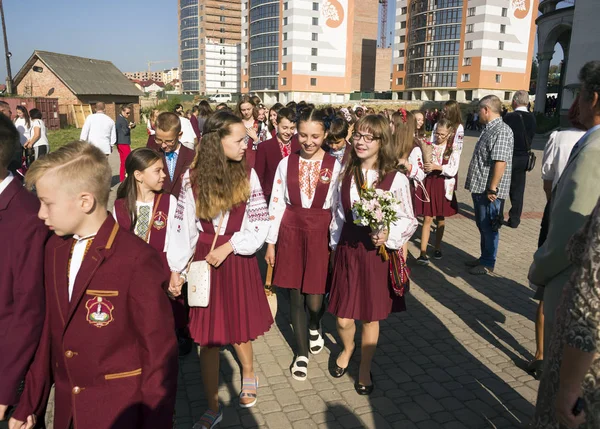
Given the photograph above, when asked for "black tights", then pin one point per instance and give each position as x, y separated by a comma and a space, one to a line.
314, 304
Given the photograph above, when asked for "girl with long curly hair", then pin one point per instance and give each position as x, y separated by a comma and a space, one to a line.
360, 287
221, 196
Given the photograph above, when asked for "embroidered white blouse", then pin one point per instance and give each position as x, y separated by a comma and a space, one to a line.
400, 231
309, 178
185, 227
415, 159
450, 170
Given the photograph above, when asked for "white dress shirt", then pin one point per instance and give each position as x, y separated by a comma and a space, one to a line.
4, 184
188, 136
99, 130
77, 259
557, 152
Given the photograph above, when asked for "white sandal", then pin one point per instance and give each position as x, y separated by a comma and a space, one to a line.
316, 346
301, 369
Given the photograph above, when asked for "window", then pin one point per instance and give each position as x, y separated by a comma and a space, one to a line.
315, 21
465, 77
498, 78
400, 67
221, 40
315, 37
506, 95
222, 7
245, 72
284, 36
469, 28
504, 12
222, 19
222, 30
313, 67
471, 11
314, 52
403, 24
467, 61
404, 10
284, 66
313, 81
501, 46
222, 84
246, 84
284, 52
283, 81
499, 62
401, 53
402, 39
399, 81
285, 21
285, 6
468, 44
316, 6
503, 29
469, 95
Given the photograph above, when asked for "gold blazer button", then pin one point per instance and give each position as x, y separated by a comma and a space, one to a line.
76, 390
69, 354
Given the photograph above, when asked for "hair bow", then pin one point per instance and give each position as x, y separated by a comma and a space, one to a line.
346, 114
403, 113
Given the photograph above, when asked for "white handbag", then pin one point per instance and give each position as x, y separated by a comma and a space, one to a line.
198, 278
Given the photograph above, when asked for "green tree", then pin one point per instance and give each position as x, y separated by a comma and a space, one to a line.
169, 87
534, 69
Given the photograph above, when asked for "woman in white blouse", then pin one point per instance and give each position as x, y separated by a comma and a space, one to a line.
220, 194
360, 286
304, 191
38, 139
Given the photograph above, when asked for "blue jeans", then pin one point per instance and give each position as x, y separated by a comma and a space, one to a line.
487, 212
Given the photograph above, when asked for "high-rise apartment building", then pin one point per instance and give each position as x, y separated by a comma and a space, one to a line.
462, 50
319, 50
209, 46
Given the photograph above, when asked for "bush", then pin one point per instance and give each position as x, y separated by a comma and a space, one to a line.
546, 123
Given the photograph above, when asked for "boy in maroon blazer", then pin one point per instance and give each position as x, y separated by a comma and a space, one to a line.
270, 152
176, 157
23, 237
107, 342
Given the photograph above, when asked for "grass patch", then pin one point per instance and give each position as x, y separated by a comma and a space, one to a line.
58, 138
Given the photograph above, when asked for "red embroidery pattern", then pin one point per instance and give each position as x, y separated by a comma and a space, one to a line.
309, 177
257, 209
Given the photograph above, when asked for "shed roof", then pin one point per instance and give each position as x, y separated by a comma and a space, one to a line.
83, 76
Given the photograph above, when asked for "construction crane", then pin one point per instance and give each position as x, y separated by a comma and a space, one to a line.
157, 62
383, 30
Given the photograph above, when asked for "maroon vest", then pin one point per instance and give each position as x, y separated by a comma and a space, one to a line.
158, 224
325, 179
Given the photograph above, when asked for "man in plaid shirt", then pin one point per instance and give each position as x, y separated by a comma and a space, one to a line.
488, 180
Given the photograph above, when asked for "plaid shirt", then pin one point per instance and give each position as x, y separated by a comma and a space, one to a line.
495, 144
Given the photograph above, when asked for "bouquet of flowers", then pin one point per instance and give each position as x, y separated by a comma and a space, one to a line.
378, 209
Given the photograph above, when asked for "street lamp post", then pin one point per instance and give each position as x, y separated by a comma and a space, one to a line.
9, 81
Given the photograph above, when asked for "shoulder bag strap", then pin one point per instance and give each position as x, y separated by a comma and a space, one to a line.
527, 141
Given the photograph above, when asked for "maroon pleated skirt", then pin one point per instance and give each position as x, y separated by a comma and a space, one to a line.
439, 204
360, 285
238, 310
302, 256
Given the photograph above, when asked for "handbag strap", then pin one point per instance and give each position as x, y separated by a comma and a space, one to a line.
218, 230
527, 141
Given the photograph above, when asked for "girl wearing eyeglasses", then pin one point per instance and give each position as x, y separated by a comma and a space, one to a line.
360, 288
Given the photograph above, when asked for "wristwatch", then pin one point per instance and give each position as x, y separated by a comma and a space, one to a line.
492, 192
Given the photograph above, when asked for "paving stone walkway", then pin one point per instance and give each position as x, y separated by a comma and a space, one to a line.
454, 360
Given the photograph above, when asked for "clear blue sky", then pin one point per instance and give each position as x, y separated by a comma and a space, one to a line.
112, 30
108, 29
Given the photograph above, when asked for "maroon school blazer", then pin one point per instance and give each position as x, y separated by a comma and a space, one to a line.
184, 160
23, 237
268, 157
111, 351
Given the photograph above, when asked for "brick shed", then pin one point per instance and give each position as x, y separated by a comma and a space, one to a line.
76, 82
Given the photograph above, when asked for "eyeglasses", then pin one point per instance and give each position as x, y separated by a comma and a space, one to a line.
441, 136
368, 138
167, 142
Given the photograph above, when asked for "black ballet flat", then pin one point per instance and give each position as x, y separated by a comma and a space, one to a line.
364, 390
337, 371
